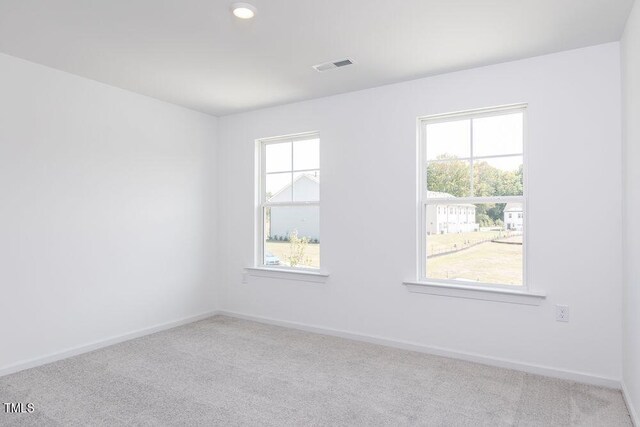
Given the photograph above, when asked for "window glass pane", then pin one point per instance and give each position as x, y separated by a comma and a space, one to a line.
306, 154
498, 135
479, 243
449, 140
278, 157
278, 187
498, 176
292, 236
453, 178
306, 186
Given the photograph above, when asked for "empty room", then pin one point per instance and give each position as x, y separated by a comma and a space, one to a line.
319, 213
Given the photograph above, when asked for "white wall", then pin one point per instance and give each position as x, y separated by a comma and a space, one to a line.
107, 210
631, 156
368, 215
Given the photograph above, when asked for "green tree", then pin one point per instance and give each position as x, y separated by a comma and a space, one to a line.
491, 181
483, 219
485, 179
452, 176
449, 177
496, 212
297, 248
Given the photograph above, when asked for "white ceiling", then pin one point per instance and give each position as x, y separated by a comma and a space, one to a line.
196, 54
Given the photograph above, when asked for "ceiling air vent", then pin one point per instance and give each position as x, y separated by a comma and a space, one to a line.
326, 66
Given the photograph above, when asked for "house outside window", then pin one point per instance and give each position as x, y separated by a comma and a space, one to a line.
473, 162
288, 205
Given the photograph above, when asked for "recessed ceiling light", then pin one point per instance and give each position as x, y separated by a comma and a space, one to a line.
243, 10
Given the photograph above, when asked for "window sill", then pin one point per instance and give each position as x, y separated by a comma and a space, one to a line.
474, 292
288, 274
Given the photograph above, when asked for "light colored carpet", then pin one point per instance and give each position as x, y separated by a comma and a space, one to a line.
225, 371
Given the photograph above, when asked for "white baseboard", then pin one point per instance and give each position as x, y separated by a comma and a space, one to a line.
86, 348
471, 357
632, 411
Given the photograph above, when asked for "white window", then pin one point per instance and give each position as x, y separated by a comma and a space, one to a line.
476, 158
288, 213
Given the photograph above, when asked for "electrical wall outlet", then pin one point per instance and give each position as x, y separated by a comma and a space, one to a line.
245, 278
562, 313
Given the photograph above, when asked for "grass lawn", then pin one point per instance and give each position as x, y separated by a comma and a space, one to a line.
488, 263
438, 243
282, 250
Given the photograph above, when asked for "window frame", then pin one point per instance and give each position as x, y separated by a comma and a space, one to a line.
262, 203
424, 201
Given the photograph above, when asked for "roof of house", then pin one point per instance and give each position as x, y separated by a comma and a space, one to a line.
442, 195
310, 177
513, 207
